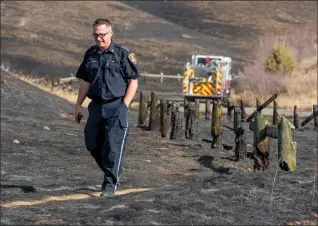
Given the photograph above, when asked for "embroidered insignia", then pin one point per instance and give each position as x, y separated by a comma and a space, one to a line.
125, 48
132, 58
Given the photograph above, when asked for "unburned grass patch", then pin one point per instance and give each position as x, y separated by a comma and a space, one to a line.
65, 92
298, 89
294, 88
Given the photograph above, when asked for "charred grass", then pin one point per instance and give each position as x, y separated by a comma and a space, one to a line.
190, 182
36, 45
34, 41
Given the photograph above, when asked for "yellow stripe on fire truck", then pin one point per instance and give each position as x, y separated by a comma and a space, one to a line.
188, 73
203, 88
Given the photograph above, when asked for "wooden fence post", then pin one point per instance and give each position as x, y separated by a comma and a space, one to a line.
275, 113
237, 121
163, 109
192, 121
261, 142
243, 112
229, 110
168, 119
185, 106
154, 123
165, 118
309, 118
207, 109
286, 145
179, 77
189, 114
176, 122
216, 126
260, 108
296, 117
315, 112
197, 108
143, 110
240, 144
257, 103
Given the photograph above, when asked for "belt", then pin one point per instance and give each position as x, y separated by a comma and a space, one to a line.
106, 101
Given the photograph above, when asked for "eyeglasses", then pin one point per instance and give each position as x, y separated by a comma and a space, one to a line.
95, 35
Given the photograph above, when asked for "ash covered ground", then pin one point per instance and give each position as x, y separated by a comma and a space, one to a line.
189, 183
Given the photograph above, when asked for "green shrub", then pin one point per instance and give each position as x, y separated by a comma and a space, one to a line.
280, 60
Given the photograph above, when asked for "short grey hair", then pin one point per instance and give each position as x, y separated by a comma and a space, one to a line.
101, 21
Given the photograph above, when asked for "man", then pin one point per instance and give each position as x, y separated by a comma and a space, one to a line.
108, 76
207, 62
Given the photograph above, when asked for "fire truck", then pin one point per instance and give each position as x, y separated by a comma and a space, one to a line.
207, 76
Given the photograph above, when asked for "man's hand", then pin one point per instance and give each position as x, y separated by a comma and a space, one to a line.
131, 91
84, 86
78, 113
127, 105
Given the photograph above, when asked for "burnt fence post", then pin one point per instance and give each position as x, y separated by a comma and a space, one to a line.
229, 110
243, 112
176, 122
315, 112
240, 143
275, 113
216, 126
154, 120
296, 117
165, 118
261, 142
257, 103
207, 109
143, 110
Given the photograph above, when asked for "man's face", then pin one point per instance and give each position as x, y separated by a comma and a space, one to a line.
102, 35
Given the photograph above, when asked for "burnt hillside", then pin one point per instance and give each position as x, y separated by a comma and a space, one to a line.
49, 38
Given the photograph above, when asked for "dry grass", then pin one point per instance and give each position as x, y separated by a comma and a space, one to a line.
66, 93
68, 197
313, 221
298, 88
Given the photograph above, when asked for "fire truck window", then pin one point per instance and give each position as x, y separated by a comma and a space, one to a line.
201, 62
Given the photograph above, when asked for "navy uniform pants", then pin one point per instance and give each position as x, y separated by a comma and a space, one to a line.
106, 134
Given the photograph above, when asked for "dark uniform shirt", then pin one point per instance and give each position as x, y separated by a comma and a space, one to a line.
108, 71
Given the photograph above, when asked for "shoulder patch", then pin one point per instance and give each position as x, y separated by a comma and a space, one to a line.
132, 58
125, 48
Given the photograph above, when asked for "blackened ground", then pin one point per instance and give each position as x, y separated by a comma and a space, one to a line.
190, 183
163, 35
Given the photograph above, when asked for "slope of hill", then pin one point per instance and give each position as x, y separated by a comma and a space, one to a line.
49, 38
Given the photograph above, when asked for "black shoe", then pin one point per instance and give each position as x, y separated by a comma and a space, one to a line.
108, 189
107, 194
